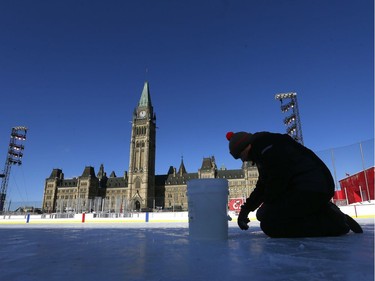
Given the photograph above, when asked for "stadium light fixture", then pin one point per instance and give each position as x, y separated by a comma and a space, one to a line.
293, 123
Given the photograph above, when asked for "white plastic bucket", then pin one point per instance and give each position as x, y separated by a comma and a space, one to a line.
208, 206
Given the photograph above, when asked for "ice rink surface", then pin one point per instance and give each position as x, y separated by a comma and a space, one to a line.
164, 251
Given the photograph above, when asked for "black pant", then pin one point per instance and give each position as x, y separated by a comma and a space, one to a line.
302, 214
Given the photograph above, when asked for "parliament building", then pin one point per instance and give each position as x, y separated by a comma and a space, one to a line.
139, 188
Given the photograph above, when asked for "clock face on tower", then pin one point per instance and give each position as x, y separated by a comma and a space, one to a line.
142, 114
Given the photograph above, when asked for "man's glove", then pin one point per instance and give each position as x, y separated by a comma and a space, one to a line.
243, 220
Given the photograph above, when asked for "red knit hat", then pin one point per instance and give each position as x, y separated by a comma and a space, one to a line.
238, 142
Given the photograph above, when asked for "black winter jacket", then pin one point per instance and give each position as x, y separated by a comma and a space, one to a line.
284, 166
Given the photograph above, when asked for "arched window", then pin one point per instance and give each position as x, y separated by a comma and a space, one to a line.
137, 184
137, 205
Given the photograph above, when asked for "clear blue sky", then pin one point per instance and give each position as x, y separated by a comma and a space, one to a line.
73, 72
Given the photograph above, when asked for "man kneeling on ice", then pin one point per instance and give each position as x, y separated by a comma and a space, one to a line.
293, 190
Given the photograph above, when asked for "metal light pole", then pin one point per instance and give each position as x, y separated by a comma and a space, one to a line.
14, 156
293, 122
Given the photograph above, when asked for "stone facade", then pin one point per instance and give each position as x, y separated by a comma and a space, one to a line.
139, 188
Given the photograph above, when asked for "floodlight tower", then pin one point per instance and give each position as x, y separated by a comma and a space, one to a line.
293, 122
14, 156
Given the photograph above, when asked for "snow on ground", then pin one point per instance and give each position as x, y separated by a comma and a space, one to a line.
164, 251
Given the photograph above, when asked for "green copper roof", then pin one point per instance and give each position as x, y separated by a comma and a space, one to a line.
145, 98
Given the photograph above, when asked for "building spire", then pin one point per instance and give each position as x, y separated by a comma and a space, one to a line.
145, 97
182, 169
